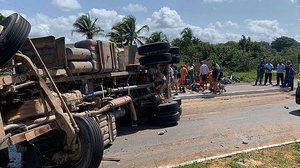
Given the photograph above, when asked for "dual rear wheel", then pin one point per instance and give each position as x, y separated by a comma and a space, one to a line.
89, 144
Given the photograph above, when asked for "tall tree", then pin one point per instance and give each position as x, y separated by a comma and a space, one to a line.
187, 34
86, 26
283, 42
157, 37
126, 33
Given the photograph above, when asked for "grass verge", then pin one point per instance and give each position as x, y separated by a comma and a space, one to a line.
280, 157
249, 76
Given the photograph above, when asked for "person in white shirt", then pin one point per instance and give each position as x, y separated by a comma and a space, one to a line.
268, 72
203, 71
279, 75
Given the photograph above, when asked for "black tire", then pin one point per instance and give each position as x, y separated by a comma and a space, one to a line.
156, 59
298, 95
178, 100
174, 50
165, 107
180, 110
14, 35
154, 48
4, 157
175, 59
92, 144
165, 119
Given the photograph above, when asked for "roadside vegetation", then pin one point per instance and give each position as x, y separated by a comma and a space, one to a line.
280, 157
238, 59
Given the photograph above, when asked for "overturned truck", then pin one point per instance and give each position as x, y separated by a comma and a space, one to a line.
60, 103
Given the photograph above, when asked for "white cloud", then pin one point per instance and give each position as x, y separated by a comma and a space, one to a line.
170, 22
297, 2
232, 24
135, 8
165, 18
264, 30
106, 18
66, 5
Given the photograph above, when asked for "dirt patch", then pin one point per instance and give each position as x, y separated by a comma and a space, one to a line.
232, 103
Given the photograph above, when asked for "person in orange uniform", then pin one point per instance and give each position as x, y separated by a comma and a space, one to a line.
183, 74
210, 80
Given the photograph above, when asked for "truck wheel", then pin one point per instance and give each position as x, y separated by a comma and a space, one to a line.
154, 48
156, 59
175, 59
4, 157
164, 114
298, 95
178, 100
165, 119
14, 35
174, 50
165, 107
90, 143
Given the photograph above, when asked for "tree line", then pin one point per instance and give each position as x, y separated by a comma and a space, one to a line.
233, 56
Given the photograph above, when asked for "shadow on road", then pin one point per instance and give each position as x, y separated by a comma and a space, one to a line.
126, 129
295, 112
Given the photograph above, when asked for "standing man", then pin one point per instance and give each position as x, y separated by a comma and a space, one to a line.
183, 73
291, 77
215, 76
203, 71
279, 75
268, 72
287, 72
176, 78
260, 68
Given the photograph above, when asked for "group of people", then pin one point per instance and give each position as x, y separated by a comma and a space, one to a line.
181, 77
284, 74
210, 76
205, 77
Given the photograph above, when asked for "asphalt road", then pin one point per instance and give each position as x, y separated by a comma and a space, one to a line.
252, 121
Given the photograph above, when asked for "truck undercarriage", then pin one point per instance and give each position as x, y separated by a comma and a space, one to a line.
60, 103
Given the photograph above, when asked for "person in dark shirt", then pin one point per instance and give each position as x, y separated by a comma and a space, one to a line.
215, 76
291, 77
286, 77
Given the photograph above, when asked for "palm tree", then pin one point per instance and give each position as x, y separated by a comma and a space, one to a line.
157, 37
124, 32
187, 34
86, 26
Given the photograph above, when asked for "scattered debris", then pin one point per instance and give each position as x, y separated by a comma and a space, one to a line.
245, 142
241, 164
113, 159
162, 132
286, 107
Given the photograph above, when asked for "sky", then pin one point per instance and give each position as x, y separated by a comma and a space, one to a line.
214, 21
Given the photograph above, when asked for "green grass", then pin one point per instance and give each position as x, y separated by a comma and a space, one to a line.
280, 157
249, 76
194, 165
